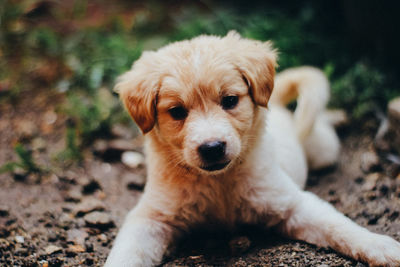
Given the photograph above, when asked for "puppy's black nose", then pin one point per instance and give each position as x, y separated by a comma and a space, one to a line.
212, 151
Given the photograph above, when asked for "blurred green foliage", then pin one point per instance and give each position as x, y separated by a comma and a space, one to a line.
289, 34
72, 151
80, 47
25, 162
357, 86
360, 90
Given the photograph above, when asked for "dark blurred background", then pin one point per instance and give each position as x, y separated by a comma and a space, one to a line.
75, 49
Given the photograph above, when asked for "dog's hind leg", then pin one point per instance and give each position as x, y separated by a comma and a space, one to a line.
322, 146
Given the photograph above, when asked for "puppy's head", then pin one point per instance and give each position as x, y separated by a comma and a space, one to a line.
199, 98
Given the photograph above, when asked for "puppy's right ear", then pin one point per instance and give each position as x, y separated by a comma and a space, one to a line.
138, 92
256, 61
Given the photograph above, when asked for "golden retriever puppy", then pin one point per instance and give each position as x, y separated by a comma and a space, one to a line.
215, 154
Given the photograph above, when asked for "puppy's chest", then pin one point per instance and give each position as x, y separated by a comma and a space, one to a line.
223, 203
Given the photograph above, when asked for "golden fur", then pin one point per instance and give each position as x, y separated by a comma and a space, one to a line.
265, 158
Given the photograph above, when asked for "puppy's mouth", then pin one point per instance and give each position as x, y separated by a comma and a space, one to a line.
215, 167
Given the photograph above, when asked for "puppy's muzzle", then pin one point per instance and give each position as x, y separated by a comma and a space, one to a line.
213, 155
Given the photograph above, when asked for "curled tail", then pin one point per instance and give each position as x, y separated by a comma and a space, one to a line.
310, 87
313, 123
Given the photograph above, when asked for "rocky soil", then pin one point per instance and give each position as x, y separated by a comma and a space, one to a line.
70, 215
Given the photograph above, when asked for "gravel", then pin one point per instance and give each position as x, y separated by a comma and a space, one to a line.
71, 218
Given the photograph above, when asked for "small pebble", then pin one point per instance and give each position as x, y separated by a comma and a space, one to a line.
26, 128
132, 159
19, 239
65, 220
76, 248
77, 236
52, 237
370, 181
52, 249
21, 252
100, 146
73, 195
38, 144
370, 162
50, 117
88, 205
99, 220
4, 243
102, 238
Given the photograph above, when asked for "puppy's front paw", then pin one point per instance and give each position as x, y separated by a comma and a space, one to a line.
380, 250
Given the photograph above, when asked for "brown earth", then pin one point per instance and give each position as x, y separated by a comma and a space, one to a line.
70, 216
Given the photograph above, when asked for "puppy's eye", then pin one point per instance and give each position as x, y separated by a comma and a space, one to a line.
178, 113
229, 102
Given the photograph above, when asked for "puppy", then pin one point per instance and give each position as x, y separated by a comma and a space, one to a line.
215, 155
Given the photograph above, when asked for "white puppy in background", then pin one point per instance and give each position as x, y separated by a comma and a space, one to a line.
216, 155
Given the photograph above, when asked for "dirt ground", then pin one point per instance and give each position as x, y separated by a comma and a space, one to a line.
70, 216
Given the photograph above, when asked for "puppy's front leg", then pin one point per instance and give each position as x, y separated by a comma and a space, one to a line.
140, 242
317, 222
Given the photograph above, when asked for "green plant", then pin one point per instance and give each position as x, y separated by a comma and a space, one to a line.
25, 162
359, 90
72, 151
89, 117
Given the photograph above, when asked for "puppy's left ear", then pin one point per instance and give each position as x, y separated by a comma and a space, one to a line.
138, 92
256, 61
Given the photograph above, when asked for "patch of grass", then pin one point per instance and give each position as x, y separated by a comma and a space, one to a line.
96, 58
90, 116
72, 151
25, 162
361, 90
